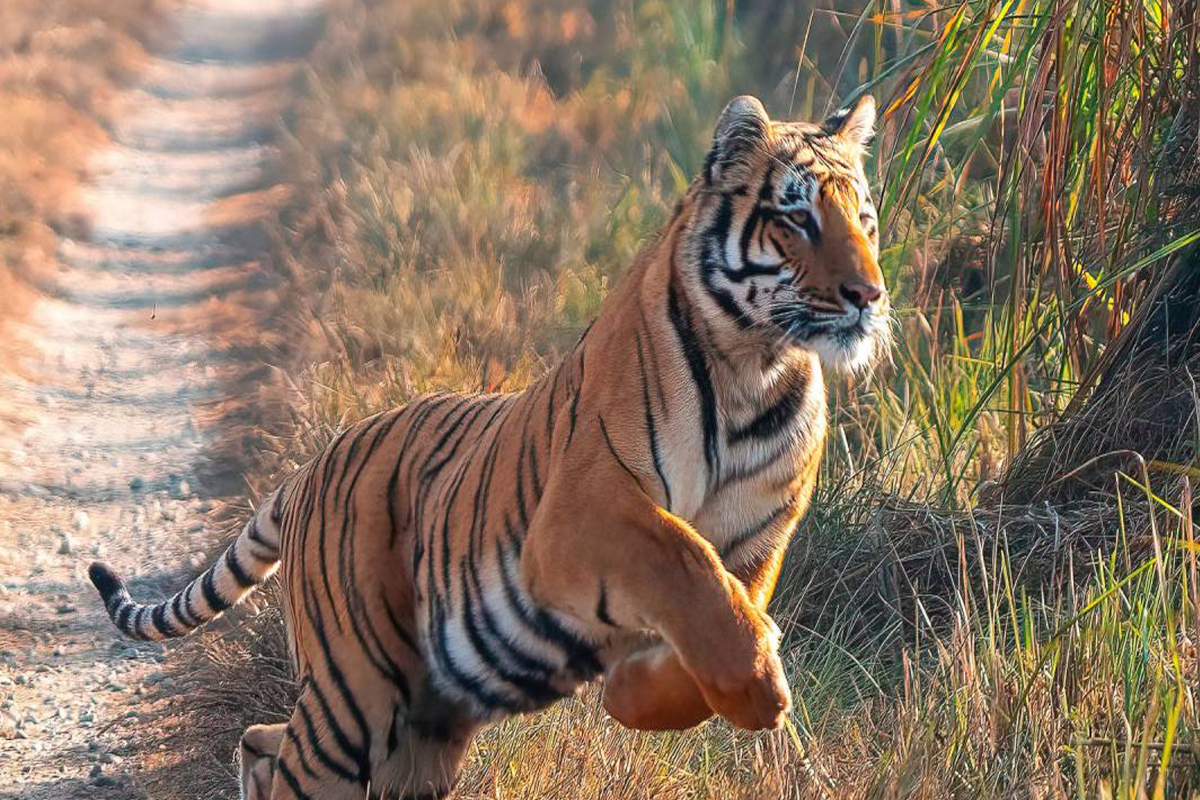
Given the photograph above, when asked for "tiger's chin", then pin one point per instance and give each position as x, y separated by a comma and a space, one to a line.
852, 350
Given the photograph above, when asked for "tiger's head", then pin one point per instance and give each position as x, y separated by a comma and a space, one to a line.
784, 239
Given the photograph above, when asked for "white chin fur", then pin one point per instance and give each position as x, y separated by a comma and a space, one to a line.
843, 355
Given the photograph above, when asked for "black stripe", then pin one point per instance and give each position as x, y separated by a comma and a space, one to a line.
581, 656
650, 428
254, 535
291, 781
361, 430
602, 607
534, 687
811, 230
322, 530
423, 413
400, 631
712, 261
525, 660
377, 654
208, 586
277, 506
243, 578
137, 622
533, 674
652, 361
384, 662
393, 737
522, 507
267, 558
469, 683
429, 469
349, 702
613, 450
551, 406
314, 745
743, 473
698, 366
123, 615
290, 732
755, 530
191, 610
255, 751
777, 417
356, 754
750, 268
177, 611
578, 392
452, 497
535, 473
159, 618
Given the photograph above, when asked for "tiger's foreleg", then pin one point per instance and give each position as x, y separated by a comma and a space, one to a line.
651, 689
632, 565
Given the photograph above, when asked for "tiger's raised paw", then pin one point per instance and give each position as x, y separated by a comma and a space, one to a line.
745, 683
759, 700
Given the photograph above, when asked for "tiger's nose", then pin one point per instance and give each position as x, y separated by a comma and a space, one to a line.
861, 294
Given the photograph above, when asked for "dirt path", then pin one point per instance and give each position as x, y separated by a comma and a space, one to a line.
126, 370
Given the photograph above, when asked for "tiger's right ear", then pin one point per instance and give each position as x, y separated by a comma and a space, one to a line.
743, 128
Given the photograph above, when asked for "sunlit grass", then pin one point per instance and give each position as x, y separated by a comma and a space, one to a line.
477, 175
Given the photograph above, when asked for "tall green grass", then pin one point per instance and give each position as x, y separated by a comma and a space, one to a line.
1029, 128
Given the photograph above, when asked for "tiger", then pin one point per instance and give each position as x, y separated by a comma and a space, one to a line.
468, 557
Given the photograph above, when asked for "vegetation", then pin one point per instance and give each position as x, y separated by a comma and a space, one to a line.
475, 174
59, 64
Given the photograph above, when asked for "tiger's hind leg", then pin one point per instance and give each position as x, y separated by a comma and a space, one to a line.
413, 752
258, 750
317, 760
426, 748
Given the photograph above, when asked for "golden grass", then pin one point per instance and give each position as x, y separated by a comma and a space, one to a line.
470, 177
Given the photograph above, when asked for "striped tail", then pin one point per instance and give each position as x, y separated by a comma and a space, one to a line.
249, 561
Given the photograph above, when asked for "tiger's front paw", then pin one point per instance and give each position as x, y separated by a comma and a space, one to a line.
745, 683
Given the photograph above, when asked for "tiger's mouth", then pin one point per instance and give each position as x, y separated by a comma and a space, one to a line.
846, 342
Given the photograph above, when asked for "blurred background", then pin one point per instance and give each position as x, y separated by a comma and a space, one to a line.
229, 229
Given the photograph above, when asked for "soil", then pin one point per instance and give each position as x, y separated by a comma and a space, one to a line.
124, 376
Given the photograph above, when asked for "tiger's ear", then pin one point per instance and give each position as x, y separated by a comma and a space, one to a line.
855, 124
742, 129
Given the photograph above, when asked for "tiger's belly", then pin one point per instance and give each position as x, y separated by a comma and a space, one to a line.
491, 648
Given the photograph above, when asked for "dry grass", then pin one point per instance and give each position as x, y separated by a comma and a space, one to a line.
60, 64
469, 178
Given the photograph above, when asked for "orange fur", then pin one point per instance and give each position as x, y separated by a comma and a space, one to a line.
468, 557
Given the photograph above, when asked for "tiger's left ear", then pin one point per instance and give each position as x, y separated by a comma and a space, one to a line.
855, 124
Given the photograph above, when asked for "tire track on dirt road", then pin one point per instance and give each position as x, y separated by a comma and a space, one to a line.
123, 379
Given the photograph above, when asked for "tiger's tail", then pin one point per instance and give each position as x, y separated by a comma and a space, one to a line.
250, 560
